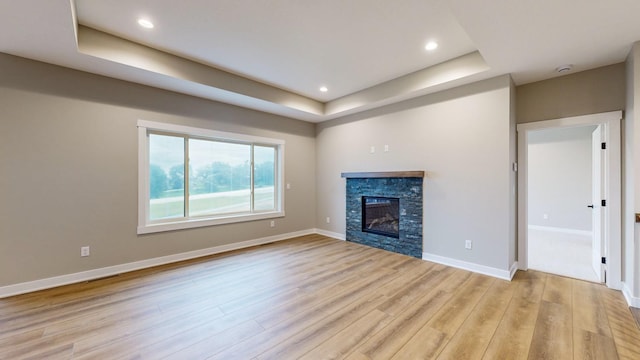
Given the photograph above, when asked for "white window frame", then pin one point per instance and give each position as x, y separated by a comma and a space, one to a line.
146, 226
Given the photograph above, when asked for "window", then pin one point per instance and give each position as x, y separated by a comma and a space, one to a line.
190, 177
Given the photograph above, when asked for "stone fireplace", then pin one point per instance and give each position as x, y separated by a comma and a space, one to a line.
384, 210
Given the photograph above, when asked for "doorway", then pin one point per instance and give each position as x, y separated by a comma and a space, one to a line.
562, 219
608, 212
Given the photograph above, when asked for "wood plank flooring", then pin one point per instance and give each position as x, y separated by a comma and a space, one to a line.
636, 315
318, 298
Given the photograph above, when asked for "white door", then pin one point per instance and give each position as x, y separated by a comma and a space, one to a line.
597, 245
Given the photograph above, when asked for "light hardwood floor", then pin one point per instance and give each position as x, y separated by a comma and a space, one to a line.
318, 298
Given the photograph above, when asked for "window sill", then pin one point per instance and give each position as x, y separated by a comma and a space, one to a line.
196, 223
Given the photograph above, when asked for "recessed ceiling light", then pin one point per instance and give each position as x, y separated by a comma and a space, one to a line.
145, 23
431, 45
324, 89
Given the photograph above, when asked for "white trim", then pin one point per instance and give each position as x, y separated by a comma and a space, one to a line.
501, 274
145, 226
30, 286
143, 176
213, 134
575, 121
331, 234
628, 295
195, 222
480, 269
611, 124
561, 230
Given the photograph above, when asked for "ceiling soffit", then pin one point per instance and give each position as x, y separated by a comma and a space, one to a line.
210, 82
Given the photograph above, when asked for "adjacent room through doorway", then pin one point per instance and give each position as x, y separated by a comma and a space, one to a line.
561, 223
566, 209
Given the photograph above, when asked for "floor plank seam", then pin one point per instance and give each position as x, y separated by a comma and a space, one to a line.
635, 312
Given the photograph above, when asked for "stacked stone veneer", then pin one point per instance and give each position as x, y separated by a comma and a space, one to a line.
409, 191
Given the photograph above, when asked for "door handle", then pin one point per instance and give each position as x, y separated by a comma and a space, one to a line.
591, 206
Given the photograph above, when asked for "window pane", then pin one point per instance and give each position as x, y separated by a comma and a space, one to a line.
221, 177
264, 178
166, 177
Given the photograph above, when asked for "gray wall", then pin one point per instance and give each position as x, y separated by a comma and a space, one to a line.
68, 170
587, 92
559, 178
68, 164
462, 138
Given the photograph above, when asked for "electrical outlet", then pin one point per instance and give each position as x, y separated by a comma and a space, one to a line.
468, 244
273, 223
545, 216
328, 219
85, 251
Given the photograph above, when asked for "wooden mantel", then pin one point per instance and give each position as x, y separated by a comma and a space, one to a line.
383, 174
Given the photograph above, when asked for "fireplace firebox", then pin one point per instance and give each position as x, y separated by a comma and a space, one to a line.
381, 215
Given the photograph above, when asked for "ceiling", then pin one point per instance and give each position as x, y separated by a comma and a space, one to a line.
274, 55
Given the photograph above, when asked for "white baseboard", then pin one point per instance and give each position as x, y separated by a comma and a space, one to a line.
30, 286
485, 270
480, 269
628, 295
330, 234
560, 230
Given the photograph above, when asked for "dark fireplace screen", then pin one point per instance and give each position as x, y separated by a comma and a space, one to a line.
381, 215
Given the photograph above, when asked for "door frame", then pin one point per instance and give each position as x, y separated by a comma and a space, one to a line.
597, 182
610, 122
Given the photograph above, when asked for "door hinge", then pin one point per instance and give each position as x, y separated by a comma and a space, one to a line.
604, 260
603, 146
604, 203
